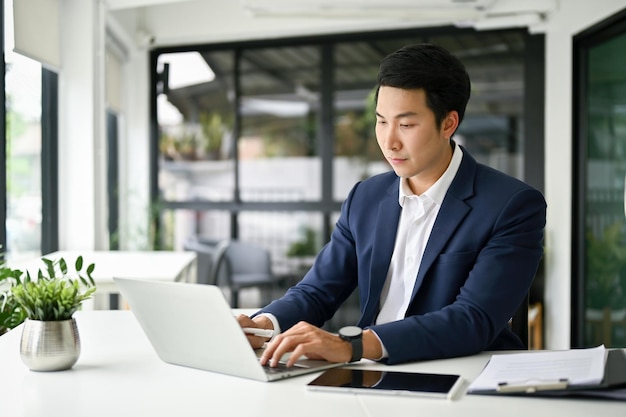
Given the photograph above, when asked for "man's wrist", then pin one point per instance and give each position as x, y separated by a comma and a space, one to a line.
373, 347
268, 321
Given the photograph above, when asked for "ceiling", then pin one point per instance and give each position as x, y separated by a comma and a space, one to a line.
175, 22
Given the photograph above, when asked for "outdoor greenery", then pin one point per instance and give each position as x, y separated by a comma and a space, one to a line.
213, 129
195, 141
356, 132
306, 246
606, 261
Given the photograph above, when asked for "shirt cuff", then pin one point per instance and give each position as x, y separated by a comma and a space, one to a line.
274, 321
382, 345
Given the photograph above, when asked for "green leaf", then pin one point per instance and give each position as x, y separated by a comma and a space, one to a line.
49, 267
79, 263
63, 266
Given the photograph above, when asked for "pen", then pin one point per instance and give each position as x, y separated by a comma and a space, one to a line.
532, 386
259, 332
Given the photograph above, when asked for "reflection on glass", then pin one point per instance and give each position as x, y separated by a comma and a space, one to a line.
293, 238
195, 117
23, 125
278, 150
605, 266
177, 226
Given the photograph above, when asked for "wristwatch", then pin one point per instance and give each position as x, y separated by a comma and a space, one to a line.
354, 335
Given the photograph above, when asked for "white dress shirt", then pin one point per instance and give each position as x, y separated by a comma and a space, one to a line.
417, 218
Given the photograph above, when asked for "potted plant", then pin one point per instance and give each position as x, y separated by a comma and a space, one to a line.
50, 339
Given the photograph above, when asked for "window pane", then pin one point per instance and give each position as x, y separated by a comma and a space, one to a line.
605, 270
179, 225
293, 238
195, 118
23, 107
278, 152
491, 129
356, 152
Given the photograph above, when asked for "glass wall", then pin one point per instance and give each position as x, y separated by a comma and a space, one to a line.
23, 83
279, 107
492, 130
601, 275
267, 141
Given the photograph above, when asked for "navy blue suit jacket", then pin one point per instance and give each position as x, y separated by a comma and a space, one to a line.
477, 268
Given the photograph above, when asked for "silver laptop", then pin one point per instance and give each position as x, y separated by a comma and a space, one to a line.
193, 325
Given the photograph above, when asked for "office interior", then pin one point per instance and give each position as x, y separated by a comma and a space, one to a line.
288, 92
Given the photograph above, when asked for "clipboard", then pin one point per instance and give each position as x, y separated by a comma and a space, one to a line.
612, 386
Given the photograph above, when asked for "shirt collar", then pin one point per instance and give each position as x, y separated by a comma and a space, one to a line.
438, 190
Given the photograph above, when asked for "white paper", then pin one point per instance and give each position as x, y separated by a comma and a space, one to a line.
577, 366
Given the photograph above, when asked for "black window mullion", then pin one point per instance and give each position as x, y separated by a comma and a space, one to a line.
49, 162
3, 140
326, 135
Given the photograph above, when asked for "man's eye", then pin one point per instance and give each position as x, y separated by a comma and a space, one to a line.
405, 126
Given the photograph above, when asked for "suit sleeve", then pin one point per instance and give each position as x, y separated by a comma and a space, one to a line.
329, 282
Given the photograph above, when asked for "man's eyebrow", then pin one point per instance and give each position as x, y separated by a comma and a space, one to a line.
399, 116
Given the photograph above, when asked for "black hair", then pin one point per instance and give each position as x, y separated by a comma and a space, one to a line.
433, 69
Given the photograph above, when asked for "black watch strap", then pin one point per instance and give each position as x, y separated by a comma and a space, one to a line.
353, 335
357, 349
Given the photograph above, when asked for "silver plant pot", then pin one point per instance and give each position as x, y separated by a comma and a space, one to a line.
50, 345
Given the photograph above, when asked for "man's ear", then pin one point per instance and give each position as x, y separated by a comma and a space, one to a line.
450, 124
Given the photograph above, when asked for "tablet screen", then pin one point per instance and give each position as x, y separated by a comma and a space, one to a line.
387, 382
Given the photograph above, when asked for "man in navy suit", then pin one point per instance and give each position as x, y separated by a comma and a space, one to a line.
442, 250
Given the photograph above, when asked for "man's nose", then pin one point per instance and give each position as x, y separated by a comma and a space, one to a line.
390, 139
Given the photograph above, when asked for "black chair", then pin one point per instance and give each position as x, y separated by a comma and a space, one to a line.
205, 251
240, 265
519, 322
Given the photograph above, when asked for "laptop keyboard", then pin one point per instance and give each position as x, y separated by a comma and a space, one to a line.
281, 368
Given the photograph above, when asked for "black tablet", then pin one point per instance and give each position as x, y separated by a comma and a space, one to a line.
387, 382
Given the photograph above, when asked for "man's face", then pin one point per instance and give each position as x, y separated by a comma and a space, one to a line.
409, 137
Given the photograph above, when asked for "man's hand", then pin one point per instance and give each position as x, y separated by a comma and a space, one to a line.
304, 339
258, 322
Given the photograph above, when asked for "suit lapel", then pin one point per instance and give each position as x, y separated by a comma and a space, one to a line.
452, 212
382, 249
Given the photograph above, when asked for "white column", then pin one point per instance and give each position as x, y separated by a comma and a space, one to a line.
82, 180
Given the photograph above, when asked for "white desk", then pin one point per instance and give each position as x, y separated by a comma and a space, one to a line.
152, 265
118, 374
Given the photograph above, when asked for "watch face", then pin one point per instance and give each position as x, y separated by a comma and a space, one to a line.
350, 331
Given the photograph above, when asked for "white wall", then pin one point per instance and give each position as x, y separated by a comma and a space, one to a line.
81, 130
